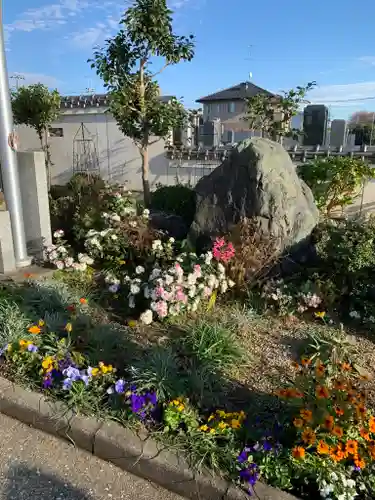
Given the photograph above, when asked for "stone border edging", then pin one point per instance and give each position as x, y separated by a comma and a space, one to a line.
137, 454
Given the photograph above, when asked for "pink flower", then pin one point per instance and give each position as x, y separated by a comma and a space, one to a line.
207, 292
161, 309
197, 270
223, 251
181, 297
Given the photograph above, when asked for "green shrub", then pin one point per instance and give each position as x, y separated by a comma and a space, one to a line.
177, 200
335, 181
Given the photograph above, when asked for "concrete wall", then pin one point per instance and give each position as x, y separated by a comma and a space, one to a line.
118, 157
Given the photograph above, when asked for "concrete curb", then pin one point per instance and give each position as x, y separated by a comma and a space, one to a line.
137, 454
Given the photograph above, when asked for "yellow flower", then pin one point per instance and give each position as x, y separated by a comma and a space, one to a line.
104, 369
212, 431
68, 327
41, 322
242, 414
221, 413
222, 425
320, 315
132, 323
48, 363
10, 347
203, 428
34, 329
94, 372
235, 423
180, 407
211, 417
121, 262
22, 343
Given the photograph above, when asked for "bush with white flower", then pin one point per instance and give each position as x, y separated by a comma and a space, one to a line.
182, 286
60, 255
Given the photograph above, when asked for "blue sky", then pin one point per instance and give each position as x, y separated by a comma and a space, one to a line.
283, 44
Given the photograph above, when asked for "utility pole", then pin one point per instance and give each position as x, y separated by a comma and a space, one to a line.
17, 78
8, 160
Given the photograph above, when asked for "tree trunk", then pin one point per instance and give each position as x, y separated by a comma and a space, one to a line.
145, 181
46, 159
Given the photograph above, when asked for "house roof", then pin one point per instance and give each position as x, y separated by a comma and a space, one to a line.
238, 92
92, 100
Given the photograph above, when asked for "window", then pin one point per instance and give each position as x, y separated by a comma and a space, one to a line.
56, 132
218, 107
231, 107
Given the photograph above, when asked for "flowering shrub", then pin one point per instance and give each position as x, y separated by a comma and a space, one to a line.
288, 298
334, 429
60, 255
187, 282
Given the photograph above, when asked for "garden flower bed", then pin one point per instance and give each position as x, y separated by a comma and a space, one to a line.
251, 377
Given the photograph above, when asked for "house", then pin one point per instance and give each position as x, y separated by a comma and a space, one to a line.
229, 106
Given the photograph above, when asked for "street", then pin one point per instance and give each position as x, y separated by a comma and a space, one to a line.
37, 466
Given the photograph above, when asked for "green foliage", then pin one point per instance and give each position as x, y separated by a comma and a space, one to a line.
13, 321
124, 65
335, 181
178, 200
37, 107
263, 109
213, 344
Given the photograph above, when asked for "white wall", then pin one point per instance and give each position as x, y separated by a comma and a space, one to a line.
119, 160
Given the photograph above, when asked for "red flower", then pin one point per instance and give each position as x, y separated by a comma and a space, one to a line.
223, 251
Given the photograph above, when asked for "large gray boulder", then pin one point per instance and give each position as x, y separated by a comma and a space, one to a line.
258, 181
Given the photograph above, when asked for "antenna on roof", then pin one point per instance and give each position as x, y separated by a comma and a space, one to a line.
250, 75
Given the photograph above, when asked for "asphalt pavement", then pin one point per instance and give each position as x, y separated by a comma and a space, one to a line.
37, 466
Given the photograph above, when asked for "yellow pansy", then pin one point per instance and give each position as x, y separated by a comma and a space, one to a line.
41, 322
222, 425
204, 428
180, 407
68, 327
235, 424
94, 372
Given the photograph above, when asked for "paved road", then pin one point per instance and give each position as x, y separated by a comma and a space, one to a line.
36, 466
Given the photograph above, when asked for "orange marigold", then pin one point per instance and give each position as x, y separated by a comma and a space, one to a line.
346, 367
320, 369
305, 362
360, 463
298, 422
371, 425
306, 415
365, 434
371, 451
299, 452
338, 431
339, 411
323, 448
308, 436
351, 447
329, 422
322, 392
340, 385
361, 410
82, 300
338, 454
34, 329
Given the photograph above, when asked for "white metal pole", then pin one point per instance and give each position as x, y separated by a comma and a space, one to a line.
8, 159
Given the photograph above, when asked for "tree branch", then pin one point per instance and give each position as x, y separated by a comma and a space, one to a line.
155, 141
162, 69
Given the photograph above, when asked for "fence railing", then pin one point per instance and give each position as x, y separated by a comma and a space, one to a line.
299, 154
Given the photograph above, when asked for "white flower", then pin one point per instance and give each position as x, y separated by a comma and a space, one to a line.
192, 291
69, 262
85, 259
221, 268
191, 279
171, 240
129, 193
146, 213
59, 264
131, 301
223, 287
90, 233
146, 317
105, 215
114, 237
334, 476
62, 249
155, 273
157, 245
168, 279
350, 483
208, 258
134, 289
113, 288
133, 223
115, 218
354, 314
139, 270
53, 255
59, 233
231, 283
